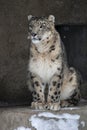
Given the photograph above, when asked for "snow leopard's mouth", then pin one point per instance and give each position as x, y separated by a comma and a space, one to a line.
35, 40
38, 38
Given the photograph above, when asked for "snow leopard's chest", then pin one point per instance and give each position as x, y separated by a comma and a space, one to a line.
44, 67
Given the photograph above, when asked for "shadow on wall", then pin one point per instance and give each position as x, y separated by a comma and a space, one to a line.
74, 38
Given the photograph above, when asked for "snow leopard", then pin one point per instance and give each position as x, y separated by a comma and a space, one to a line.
50, 79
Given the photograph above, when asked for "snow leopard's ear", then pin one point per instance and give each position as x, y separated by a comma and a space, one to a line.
29, 17
51, 18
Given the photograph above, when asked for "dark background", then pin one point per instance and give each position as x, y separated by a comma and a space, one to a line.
71, 19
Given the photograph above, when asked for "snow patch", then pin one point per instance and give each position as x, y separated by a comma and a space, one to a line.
50, 121
83, 123
22, 128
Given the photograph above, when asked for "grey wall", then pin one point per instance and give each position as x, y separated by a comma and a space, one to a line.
14, 45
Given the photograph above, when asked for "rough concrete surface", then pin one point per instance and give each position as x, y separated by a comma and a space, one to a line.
14, 46
11, 118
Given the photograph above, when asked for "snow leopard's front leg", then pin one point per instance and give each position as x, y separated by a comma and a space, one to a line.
38, 92
53, 100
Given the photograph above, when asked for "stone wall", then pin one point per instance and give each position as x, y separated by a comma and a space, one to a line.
14, 45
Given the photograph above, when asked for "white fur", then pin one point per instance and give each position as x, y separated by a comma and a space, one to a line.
51, 18
46, 35
29, 17
35, 41
67, 92
42, 68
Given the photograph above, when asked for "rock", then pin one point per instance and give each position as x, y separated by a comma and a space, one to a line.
12, 118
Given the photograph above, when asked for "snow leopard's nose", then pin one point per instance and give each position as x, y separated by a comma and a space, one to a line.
33, 34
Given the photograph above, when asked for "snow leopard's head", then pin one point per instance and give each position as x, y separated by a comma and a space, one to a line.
40, 28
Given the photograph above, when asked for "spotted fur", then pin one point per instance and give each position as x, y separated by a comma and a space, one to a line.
52, 82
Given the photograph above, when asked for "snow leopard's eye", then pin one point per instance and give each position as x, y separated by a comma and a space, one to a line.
42, 26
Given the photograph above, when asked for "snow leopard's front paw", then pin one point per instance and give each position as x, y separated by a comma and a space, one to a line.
53, 106
37, 105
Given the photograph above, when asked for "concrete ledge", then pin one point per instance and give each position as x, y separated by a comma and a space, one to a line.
11, 118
